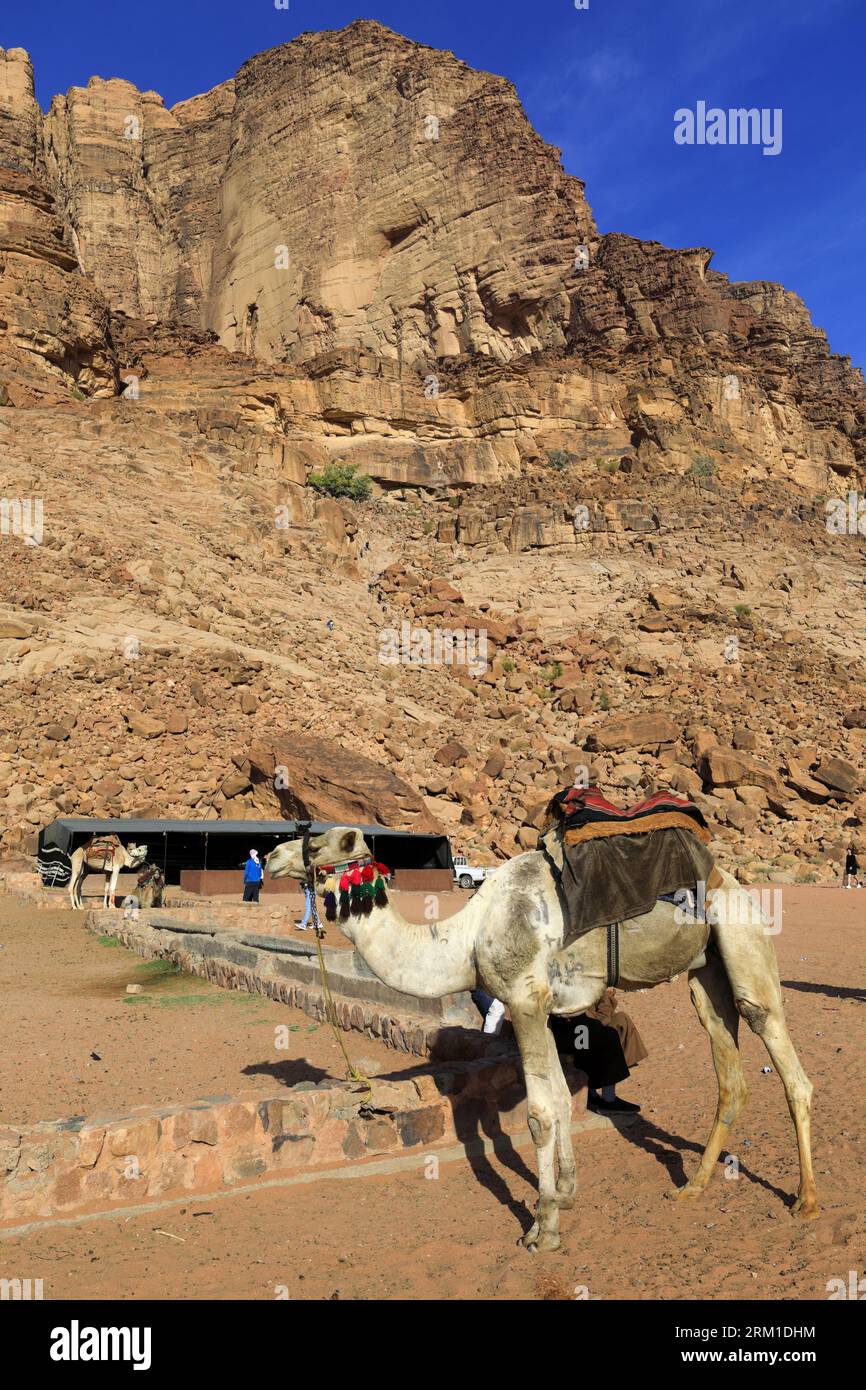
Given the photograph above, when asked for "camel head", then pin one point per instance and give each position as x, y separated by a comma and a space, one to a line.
136, 855
337, 846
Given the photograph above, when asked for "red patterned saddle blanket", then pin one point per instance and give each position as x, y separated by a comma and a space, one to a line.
613, 865
584, 814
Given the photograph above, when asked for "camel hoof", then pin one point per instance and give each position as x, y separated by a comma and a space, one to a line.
684, 1194
806, 1208
565, 1201
537, 1239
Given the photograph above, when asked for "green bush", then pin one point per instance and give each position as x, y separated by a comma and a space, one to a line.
560, 458
703, 467
342, 480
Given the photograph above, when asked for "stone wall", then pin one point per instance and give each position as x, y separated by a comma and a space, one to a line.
288, 971
102, 1161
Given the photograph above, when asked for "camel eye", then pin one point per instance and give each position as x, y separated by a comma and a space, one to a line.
347, 844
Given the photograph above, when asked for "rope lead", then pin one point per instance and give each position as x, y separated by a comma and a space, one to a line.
352, 1072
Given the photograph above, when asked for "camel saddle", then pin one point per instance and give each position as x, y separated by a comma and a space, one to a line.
613, 865
102, 846
149, 874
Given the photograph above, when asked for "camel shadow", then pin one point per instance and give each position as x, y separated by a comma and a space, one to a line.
478, 1121
832, 991
293, 1071
669, 1150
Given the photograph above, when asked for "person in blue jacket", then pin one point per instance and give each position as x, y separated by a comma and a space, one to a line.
253, 875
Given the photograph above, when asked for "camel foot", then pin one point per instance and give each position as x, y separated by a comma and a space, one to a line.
689, 1193
806, 1207
536, 1241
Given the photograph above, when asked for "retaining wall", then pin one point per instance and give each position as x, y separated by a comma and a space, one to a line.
108, 1160
287, 970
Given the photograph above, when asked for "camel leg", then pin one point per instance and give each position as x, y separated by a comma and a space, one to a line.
566, 1181
714, 1002
79, 880
750, 961
531, 1031
798, 1093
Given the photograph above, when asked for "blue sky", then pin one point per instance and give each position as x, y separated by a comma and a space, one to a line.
602, 84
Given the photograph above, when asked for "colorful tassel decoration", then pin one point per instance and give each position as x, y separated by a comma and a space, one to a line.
344, 897
355, 889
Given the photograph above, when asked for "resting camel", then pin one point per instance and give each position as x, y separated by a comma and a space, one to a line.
508, 940
103, 854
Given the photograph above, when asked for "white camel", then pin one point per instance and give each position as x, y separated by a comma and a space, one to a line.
508, 940
103, 854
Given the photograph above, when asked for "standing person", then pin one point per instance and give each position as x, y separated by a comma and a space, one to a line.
852, 869
308, 907
253, 875
492, 1010
612, 1045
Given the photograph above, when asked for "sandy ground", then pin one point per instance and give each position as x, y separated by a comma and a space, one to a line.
64, 998
405, 1235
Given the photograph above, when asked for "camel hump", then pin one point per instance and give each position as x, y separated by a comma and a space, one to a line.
103, 845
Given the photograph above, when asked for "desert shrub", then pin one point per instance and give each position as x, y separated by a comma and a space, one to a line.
551, 672
342, 480
703, 467
609, 465
560, 458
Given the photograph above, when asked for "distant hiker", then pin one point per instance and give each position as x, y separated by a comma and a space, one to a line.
308, 908
852, 869
253, 875
604, 1043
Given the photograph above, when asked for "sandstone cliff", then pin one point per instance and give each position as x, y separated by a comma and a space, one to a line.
359, 250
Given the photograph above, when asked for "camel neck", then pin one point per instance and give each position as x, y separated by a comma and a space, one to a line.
428, 959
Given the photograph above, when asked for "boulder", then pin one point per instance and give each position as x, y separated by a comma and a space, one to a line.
635, 731
13, 628
727, 767
839, 775
144, 725
310, 778
451, 754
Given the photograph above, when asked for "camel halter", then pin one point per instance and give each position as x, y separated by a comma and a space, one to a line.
352, 1071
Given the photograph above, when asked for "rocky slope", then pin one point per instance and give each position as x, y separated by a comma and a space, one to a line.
618, 472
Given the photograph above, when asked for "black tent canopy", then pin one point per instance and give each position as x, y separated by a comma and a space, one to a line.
224, 844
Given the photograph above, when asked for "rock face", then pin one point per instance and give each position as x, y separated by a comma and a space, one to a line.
299, 208
597, 464
313, 779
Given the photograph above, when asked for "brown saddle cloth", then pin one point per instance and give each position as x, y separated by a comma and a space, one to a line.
101, 847
613, 869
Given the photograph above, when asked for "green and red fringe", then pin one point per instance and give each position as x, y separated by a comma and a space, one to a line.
361, 887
